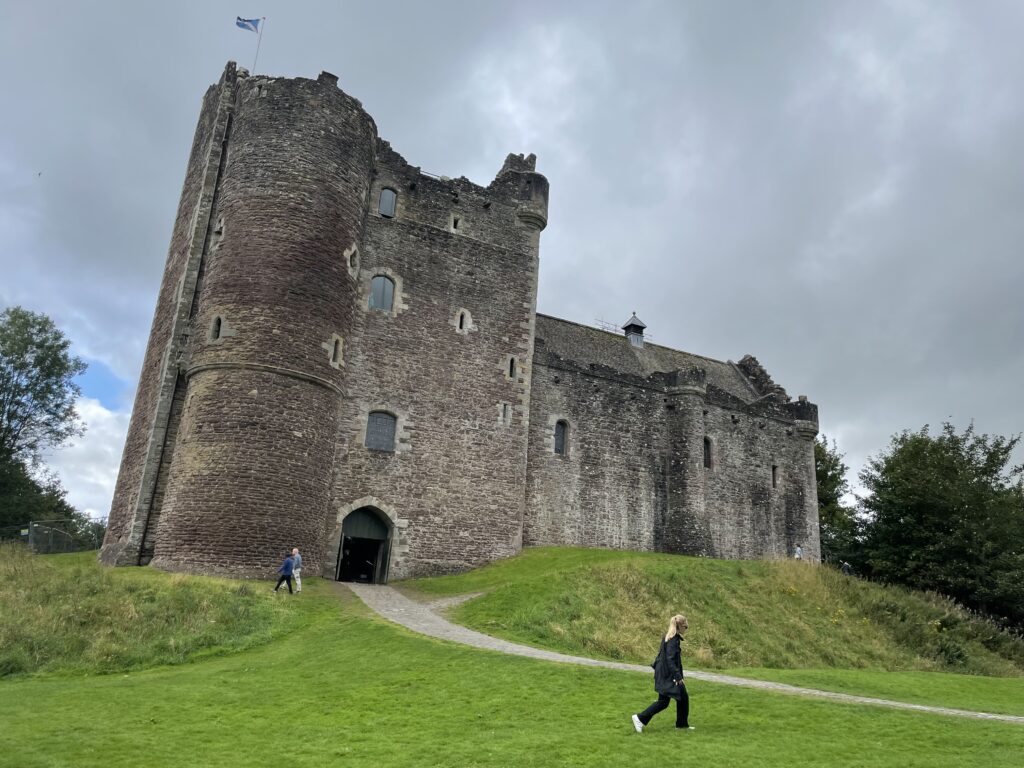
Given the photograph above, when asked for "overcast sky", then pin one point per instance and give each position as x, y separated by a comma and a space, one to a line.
836, 188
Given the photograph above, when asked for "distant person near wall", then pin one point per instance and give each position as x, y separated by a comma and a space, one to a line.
286, 573
668, 678
297, 569
798, 554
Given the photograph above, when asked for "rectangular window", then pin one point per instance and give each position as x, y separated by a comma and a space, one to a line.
380, 431
775, 476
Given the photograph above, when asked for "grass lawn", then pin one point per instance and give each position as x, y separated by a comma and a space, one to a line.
345, 688
752, 619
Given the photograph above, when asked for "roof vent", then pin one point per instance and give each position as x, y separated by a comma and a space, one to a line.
634, 329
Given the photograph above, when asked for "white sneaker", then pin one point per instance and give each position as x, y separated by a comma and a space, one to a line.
637, 724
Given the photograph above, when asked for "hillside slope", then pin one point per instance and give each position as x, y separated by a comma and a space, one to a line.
742, 614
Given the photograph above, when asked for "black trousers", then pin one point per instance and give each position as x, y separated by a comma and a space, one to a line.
288, 578
682, 708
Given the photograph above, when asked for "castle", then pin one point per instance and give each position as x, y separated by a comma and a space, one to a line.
346, 357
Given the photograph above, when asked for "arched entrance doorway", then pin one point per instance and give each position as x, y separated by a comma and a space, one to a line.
365, 546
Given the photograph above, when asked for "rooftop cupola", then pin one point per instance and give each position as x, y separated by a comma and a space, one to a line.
634, 329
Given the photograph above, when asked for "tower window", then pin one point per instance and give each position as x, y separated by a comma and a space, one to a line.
775, 476
386, 203
336, 351
455, 223
462, 321
380, 431
707, 453
511, 367
382, 293
215, 328
561, 434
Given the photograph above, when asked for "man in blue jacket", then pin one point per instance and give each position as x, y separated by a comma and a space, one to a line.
286, 573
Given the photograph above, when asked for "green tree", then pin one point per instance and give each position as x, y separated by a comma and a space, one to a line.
37, 387
946, 513
24, 497
837, 521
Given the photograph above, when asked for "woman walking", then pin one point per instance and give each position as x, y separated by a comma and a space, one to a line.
668, 678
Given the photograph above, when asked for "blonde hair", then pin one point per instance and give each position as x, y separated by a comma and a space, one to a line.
676, 623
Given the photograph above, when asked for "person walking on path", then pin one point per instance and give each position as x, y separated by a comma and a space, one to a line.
297, 569
668, 678
286, 573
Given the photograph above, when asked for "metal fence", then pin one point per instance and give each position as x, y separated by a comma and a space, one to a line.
45, 537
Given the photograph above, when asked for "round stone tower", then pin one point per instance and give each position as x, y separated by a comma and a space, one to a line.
262, 371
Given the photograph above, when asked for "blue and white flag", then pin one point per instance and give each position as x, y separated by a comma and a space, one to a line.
253, 25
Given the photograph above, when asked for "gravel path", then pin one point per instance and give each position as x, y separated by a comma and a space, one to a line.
422, 618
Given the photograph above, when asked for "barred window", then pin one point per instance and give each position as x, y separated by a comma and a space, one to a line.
386, 204
561, 433
380, 431
382, 293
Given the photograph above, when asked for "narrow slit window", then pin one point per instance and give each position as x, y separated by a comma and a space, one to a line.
455, 222
382, 293
215, 328
386, 203
512, 367
380, 431
462, 321
707, 453
561, 433
775, 476
504, 413
336, 351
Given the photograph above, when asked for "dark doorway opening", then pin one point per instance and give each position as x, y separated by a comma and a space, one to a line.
363, 554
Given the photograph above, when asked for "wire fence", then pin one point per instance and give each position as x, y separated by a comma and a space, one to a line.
45, 537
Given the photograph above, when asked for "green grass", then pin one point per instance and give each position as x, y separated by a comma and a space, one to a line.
742, 614
345, 688
63, 613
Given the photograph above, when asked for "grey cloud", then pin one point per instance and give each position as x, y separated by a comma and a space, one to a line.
833, 187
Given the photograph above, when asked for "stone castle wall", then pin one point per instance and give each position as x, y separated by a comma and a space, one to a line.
265, 360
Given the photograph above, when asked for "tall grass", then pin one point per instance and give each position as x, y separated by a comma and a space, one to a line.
783, 614
67, 613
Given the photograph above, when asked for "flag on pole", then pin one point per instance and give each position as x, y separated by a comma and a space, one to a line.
253, 25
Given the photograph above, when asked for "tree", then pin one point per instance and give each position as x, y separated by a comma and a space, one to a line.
24, 498
37, 387
946, 513
837, 522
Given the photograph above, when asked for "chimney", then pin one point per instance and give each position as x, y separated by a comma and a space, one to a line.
634, 329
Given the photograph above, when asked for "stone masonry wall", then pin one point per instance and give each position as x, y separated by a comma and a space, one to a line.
453, 489
116, 546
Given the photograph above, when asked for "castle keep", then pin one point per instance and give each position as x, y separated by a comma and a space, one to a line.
346, 357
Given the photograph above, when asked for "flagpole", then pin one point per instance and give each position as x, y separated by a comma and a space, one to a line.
263, 23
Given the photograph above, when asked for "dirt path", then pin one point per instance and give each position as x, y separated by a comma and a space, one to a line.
424, 619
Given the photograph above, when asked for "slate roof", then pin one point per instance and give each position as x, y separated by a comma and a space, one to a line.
585, 345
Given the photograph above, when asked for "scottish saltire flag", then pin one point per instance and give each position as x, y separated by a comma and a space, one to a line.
253, 25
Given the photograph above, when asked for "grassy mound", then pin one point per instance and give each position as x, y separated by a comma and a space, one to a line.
348, 689
753, 614
66, 613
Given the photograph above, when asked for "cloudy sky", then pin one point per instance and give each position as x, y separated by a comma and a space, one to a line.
834, 187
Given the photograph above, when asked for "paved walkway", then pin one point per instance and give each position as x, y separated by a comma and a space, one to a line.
422, 618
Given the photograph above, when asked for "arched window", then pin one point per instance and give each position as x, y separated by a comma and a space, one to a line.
382, 293
707, 453
386, 203
561, 437
380, 431
215, 329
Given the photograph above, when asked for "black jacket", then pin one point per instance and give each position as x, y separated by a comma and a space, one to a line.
668, 668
